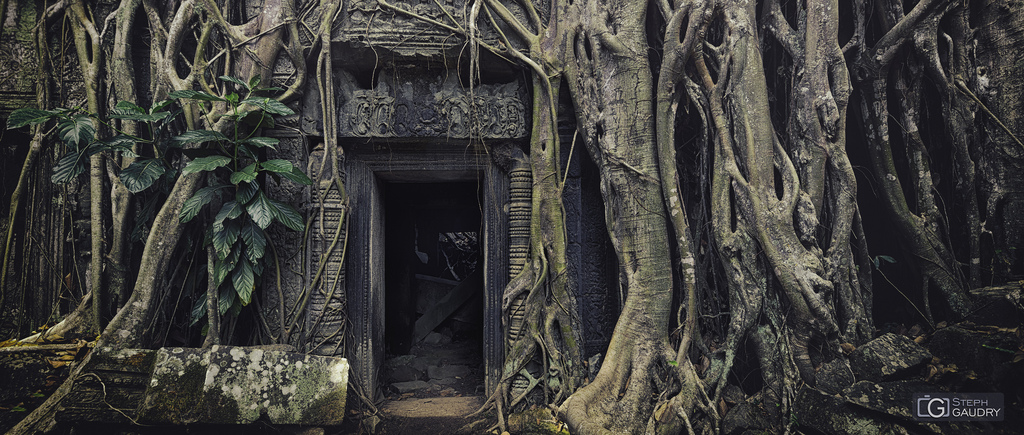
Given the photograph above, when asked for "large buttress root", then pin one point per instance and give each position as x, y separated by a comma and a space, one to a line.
612, 87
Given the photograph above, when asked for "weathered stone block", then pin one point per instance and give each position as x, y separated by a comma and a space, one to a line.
828, 414
976, 349
237, 385
888, 358
112, 387
408, 387
833, 376
753, 414
892, 398
405, 374
448, 371
176, 387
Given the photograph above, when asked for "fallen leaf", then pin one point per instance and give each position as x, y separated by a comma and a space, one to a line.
932, 371
915, 330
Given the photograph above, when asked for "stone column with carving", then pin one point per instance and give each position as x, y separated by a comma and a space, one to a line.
326, 316
520, 205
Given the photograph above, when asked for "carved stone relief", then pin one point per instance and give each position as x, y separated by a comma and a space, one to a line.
431, 106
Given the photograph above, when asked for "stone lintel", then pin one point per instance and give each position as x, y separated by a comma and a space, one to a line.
430, 104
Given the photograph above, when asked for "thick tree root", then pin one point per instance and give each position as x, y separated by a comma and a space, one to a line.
620, 399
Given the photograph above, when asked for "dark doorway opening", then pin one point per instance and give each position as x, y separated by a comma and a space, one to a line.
434, 266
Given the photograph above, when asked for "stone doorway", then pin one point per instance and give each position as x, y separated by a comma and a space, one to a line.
433, 332
466, 193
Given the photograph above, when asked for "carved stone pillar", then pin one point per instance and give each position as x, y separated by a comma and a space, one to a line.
328, 303
520, 204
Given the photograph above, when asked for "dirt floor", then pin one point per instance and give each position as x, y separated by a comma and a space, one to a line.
438, 415
432, 390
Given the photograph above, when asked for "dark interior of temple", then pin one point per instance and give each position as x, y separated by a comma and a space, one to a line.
433, 264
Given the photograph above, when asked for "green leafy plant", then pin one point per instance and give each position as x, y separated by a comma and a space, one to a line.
235, 162
237, 232
76, 130
878, 259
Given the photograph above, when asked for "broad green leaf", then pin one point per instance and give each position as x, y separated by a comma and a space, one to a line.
224, 240
277, 165
261, 142
269, 105
230, 210
226, 299
199, 309
159, 105
287, 215
246, 191
28, 116
297, 176
255, 242
198, 136
171, 175
141, 174
78, 131
122, 143
254, 81
196, 203
261, 210
247, 174
194, 95
244, 281
145, 215
208, 163
232, 98
130, 111
95, 148
132, 116
235, 80
68, 167
220, 272
247, 152
128, 106
233, 257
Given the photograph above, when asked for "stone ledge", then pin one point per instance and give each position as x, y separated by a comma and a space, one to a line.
221, 385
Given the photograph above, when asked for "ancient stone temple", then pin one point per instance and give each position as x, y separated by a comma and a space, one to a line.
436, 193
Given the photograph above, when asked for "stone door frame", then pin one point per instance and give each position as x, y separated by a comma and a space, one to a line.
368, 166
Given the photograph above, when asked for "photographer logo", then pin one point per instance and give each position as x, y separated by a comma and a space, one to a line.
958, 407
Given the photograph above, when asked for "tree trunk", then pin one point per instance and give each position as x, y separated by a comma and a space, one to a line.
612, 86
